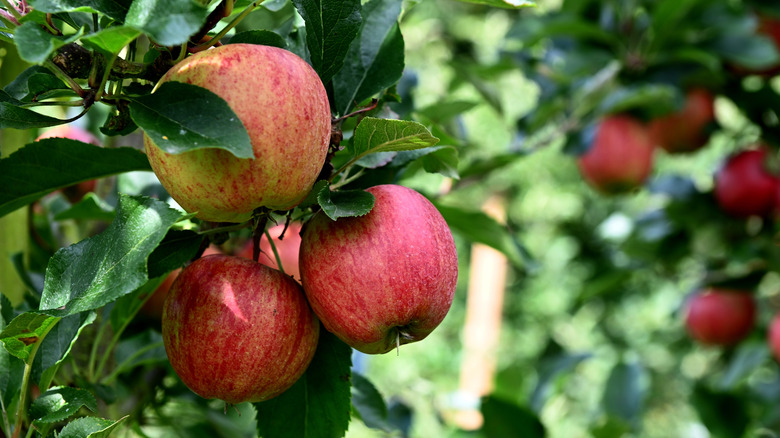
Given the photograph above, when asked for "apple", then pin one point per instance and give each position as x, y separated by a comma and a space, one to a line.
74, 192
773, 336
237, 330
621, 156
720, 316
744, 186
383, 279
283, 105
288, 248
685, 130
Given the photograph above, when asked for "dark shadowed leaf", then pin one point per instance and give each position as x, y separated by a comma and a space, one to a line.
100, 269
181, 117
89, 427
11, 368
723, 413
443, 160
331, 25
168, 22
143, 348
749, 356
35, 44
44, 166
549, 369
261, 37
31, 82
624, 393
375, 60
59, 403
318, 405
174, 251
345, 203
368, 402
57, 344
504, 419
16, 117
116, 9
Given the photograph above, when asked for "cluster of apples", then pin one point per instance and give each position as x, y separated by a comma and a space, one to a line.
238, 330
620, 157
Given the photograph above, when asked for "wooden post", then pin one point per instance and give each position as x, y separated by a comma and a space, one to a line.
485, 300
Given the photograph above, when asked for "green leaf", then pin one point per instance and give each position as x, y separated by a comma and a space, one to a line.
116, 9
181, 117
749, 356
24, 331
369, 403
178, 247
112, 40
49, 164
58, 343
261, 37
13, 116
375, 60
331, 26
168, 22
652, 99
102, 268
143, 348
60, 403
11, 368
506, 419
443, 160
35, 45
724, 414
507, 4
89, 427
624, 393
318, 405
314, 193
549, 369
90, 207
32, 82
374, 135
345, 203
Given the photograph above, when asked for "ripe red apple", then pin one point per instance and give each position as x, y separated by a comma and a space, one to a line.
237, 330
720, 316
284, 107
744, 186
621, 156
75, 192
773, 336
384, 278
685, 130
288, 249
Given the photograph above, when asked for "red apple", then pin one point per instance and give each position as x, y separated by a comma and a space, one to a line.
382, 279
685, 130
288, 249
773, 336
621, 156
720, 316
283, 105
744, 186
237, 330
75, 192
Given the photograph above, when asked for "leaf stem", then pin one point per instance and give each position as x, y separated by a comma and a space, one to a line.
64, 77
12, 9
348, 179
228, 228
227, 28
138, 353
104, 80
276, 253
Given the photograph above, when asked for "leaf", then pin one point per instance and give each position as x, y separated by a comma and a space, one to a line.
32, 82
181, 117
374, 135
58, 343
90, 427
724, 414
46, 165
318, 405
652, 99
750, 355
143, 348
507, 4
90, 207
11, 368
168, 22
624, 393
549, 369
369, 403
24, 331
345, 203
331, 26
35, 45
443, 160
60, 403
375, 60
506, 419
314, 193
112, 40
178, 247
261, 37
13, 116
102, 268
116, 9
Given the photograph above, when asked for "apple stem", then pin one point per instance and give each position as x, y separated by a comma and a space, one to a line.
275, 251
260, 222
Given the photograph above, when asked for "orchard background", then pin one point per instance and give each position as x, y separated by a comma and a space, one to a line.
497, 99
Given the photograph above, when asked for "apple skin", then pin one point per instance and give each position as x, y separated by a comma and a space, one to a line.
744, 187
288, 249
620, 158
720, 316
685, 130
74, 192
283, 105
382, 278
773, 336
237, 330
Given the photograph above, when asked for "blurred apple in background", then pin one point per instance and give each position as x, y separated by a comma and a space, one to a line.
720, 316
687, 129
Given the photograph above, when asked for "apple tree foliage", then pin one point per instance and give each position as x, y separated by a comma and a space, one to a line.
79, 359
